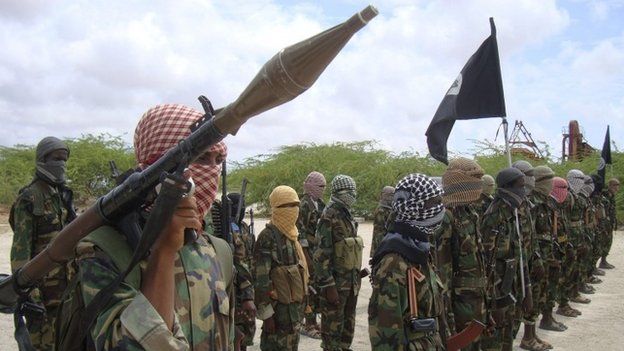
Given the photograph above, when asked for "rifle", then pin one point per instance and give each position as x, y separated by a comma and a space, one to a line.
239, 210
226, 211
465, 337
285, 76
251, 224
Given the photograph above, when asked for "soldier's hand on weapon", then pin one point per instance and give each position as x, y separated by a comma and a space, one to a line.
527, 303
269, 325
185, 216
249, 307
331, 294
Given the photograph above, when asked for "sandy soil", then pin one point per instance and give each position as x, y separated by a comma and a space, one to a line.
600, 327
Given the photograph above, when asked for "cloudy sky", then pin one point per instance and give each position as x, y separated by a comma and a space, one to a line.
74, 67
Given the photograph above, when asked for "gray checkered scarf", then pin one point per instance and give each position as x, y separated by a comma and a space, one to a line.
343, 190
576, 180
409, 202
588, 187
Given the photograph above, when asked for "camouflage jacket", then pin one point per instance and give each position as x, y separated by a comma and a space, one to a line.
578, 206
389, 310
204, 312
37, 216
562, 214
482, 205
544, 213
273, 250
588, 218
498, 230
381, 216
611, 209
460, 257
249, 241
309, 214
335, 225
243, 283
600, 204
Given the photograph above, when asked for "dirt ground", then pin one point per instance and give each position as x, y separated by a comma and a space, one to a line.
601, 327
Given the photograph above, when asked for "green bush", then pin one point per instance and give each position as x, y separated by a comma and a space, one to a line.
372, 168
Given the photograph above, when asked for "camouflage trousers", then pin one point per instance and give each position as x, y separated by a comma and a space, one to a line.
41, 329
566, 280
586, 260
608, 242
338, 322
246, 327
467, 306
278, 341
501, 339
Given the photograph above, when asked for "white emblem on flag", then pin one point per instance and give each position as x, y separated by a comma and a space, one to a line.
454, 89
602, 164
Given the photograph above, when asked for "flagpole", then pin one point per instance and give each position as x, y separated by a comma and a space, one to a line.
520, 241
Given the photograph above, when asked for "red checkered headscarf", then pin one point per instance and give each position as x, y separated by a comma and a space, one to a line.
160, 129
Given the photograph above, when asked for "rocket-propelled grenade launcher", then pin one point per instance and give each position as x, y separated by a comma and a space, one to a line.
285, 76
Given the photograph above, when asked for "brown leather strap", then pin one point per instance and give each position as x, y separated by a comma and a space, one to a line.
411, 290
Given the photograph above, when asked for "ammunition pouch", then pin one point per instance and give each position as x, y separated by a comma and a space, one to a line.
348, 253
509, 276
422, 325
288, 283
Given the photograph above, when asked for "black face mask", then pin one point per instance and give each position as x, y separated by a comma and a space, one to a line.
514, 196
53, 171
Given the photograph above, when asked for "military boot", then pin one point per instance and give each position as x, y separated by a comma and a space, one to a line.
580, 299
598, 272
568, 311
605, 265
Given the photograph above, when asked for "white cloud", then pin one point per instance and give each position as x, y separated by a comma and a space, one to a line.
85, 67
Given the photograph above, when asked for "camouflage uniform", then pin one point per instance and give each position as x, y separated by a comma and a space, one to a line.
589, 224
381, 218
399, 317
273, 250
37, 216
203, 303
388, 309
612, 216
567, 252
576, 238
461, 265
546, 217
498, 230
482, 205
244, 288
309, 213
602, 226
337, 322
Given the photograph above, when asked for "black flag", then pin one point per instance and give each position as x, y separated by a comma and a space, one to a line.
476, 93
605, 156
